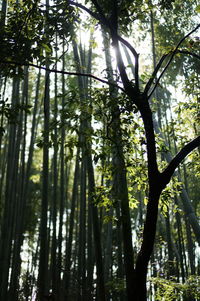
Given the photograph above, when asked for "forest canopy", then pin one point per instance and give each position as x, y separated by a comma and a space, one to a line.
100, 150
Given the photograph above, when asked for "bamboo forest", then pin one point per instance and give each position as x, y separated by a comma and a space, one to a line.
99, 150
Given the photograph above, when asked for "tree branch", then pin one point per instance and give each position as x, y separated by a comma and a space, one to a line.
183, 51
62, 72
105, 22
101, 13
149, 83
100, 17
170, 60
135, 54
120, 63
188, 148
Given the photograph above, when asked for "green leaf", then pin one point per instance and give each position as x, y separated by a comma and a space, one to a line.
197, 9
145, 201
46, 48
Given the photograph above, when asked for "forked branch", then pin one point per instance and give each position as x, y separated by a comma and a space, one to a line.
188, 148
168, 63
101, 18
154, 74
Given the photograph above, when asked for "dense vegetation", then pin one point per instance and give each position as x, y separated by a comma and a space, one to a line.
100, 147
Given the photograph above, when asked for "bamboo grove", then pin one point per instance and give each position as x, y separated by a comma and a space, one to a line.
99, 150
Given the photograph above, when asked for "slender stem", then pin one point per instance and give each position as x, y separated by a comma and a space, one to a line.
153, 77
168, 172
63, 72
101, 17
120, 63
171, 58
183, 51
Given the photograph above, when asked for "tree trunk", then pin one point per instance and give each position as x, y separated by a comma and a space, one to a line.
146, 250
67, 275
44, 252
19, 216
10, 196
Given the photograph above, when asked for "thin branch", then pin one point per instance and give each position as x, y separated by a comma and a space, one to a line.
149, 83
100, 17
183, 51
62, 72
116, 37
101, 13
188, 148
135, 54
172, 56
120, 63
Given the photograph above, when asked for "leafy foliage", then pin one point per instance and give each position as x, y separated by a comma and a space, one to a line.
28, 33
171, 290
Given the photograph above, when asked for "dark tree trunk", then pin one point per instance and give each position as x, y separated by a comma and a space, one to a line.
44, 253
139, 290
